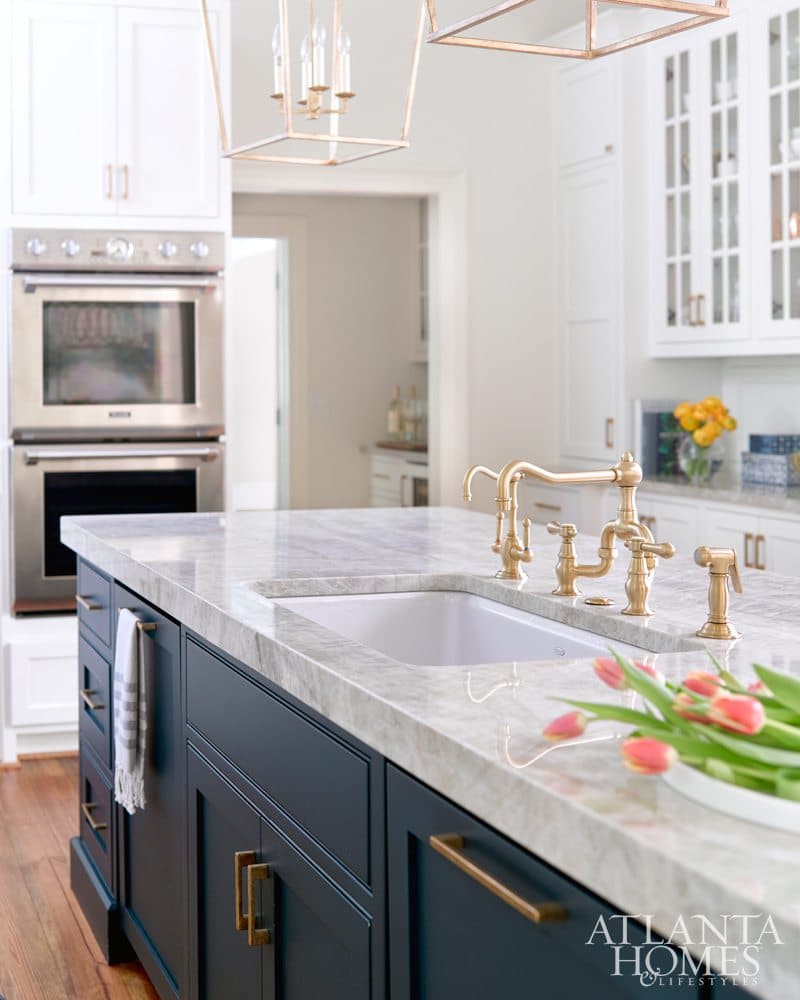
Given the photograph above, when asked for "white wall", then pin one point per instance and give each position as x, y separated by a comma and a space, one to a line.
487, 116
251, 375
363, 311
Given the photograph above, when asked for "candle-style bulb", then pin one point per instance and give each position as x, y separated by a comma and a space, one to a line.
343, 42
318, 38
277, 42
277, 62
319, 35
343, 45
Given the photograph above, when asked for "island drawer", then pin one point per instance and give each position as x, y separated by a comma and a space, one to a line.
93, 595
96, 815
94, 688
322, 783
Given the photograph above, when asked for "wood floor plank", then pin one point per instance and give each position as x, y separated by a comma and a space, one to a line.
47, 951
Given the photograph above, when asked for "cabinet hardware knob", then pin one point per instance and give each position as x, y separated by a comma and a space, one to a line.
86, 809
451, 846
403, 481
256, 936
126, 182
87, 603
610, 432
110, 181
86, 695
691, 301
609, 148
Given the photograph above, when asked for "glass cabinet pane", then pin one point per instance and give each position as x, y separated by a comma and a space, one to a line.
777, 207
794, 283
684, 84
686, 224
733, 290
672, 296
671, 226
732, 67
776, 129
669, 89
716, 71
793, 46
686, 172
733, 215
670, 164
775, 52
717, 218
777, 285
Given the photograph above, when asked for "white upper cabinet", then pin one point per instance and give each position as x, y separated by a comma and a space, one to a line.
64, 95
701, 178
725, 186
113, 112
168, 156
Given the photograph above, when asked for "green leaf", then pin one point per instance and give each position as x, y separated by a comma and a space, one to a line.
742, 777
787, 785
781, 734
727, 677
784, 688
694, 747
617, 713
651, 691
745, 747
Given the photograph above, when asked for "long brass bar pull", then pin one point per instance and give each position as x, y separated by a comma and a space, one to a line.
256, 936
241, 860
146, 626
451, 846
86, 809
86, 697
87, 603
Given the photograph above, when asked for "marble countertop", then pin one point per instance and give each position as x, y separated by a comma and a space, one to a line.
474, 733
779, 499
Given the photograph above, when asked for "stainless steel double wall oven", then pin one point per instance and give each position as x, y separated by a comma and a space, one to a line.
116, 389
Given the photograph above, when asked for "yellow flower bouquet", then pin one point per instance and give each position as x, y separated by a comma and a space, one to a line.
703, 424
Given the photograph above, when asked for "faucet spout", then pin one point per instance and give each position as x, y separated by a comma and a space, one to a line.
522, 468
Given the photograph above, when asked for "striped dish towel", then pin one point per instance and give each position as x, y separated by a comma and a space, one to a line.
130, 714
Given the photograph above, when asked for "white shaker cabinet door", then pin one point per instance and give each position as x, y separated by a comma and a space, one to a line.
168, 152
778, 545
64, 108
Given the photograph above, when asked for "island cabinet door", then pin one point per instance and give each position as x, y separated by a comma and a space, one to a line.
264, 923
151, 846
456, 926
224, 840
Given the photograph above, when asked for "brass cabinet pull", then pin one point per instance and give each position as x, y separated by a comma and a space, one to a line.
381, 475
701, 310
126, 182
88, 603
256, 936
146, 626
451, 845
748, 558
86, 695
86, 809
691, 302
240, 861
554, 507
610, 432
110, 181
759, 563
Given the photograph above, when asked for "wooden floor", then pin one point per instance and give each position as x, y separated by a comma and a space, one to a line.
47, 951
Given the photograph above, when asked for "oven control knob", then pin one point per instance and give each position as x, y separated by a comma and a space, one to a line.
36, 247
70, 248
118, 248
167, 249
199, 249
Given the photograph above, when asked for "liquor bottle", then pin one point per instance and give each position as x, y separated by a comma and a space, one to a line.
395, 424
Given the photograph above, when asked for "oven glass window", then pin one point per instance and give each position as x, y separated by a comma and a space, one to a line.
80, 493
119, 352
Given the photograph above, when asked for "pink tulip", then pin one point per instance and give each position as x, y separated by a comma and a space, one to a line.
702, 683
644, 755
737, 713
687, 708
610, 672
759, 687
566, 727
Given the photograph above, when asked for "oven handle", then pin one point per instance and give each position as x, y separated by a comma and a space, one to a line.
30, 282
34, 455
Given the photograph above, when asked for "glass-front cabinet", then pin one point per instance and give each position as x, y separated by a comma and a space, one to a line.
700, 191
725, 186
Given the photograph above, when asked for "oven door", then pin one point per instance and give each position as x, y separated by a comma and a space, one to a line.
49, 482
98, 356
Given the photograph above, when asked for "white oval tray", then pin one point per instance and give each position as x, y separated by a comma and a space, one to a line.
743, 803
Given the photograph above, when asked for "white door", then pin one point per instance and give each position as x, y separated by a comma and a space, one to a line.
731, 527
590, 289
168, 154
64, 101
778, 547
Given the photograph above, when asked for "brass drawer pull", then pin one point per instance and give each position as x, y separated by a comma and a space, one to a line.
146, 626
554, 507
256, 936
87, 603
451, 845
109, 181
126, 182
86, 809
381, 475
240, 861
760, 564
86, 695
748, 558
610, 432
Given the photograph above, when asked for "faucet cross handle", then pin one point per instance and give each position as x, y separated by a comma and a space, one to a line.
723, 566
567, 531
567, 559
639, 582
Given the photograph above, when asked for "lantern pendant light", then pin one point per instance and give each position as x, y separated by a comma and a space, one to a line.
697, 13
322, 75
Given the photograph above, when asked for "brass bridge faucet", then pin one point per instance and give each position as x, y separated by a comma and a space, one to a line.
723, 565
626, 475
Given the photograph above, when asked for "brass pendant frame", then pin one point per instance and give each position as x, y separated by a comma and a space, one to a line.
334, 137
697, 14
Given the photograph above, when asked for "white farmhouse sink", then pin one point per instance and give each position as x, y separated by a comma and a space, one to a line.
448, 628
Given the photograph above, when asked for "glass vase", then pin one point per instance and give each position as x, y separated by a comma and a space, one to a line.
699, 464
